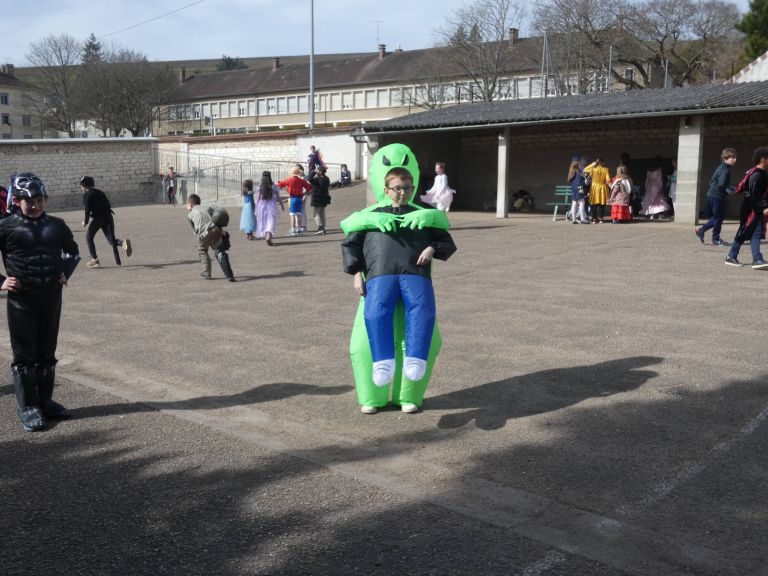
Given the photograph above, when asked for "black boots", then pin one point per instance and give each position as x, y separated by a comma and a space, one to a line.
45, 377
27, 398
223, 258
34, 389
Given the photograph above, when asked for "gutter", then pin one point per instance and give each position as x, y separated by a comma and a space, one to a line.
670, 113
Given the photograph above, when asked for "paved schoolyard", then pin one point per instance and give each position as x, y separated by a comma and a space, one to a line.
599, 408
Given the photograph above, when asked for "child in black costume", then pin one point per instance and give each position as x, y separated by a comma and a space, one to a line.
32, 243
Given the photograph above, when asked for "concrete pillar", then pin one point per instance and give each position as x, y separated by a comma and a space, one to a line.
372, 145
689, 148
502, 180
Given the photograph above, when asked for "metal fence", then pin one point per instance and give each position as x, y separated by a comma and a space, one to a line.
219, 179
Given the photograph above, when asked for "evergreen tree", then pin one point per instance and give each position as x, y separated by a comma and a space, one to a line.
754, 25
229, 63
92, 51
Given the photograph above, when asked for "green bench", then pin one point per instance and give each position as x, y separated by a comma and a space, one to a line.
562, 198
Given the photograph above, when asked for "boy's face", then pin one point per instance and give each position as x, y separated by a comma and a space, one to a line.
399, 190
730, 161
438, 169
33, 207
190, 206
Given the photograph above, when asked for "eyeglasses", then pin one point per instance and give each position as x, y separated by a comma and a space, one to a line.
398, 189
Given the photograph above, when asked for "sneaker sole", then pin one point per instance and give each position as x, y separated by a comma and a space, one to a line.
127, 247
734, 264
760, 267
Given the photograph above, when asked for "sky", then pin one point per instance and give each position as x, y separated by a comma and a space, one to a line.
209, 29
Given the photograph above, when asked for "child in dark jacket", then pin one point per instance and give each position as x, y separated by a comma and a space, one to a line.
319, 197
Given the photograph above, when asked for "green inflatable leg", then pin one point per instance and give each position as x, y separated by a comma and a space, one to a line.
404, 391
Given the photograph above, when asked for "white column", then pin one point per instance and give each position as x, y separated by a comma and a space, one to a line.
689, 147
502, 181
368, 151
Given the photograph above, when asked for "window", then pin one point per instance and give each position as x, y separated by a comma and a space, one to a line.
251, 107
261, 107
335, 101
271, 106
303, 104
26, 120
370, 98
242, 108
293, 105
196, 111
7, 119
536, 88
346, 101
359, 100
383, 96
505, 89
396, 97
522, 88
282, 106
7, 136
4, 99
28, 136
629, 74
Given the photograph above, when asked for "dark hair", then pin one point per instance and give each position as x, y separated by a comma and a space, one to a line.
248, 184
266, 185
87, 181
322, 169
759, 154
193, 199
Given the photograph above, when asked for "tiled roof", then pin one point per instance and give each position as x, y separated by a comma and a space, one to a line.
400, 66
631, 103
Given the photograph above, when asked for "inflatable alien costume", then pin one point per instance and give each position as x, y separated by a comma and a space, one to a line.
395, 323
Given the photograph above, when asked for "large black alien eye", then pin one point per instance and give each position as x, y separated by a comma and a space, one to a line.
385, 161
405, 160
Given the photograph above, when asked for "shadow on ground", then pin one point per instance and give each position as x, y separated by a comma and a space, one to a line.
491, 405
263, 393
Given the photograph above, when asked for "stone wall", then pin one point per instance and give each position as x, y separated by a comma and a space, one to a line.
122, 167
336, 146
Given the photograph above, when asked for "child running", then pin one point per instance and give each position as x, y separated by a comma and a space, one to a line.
297, 188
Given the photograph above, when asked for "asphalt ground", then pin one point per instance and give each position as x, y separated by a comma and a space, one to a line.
599, 408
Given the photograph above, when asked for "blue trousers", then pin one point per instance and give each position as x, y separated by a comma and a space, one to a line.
716, 221
418, 296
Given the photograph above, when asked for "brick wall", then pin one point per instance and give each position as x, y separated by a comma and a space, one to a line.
122, 167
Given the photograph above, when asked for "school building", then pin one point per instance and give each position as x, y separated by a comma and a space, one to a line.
494, 149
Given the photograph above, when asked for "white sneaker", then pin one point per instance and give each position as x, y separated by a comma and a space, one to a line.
383, 372
368, 409
127, 247
414, 368
409, 408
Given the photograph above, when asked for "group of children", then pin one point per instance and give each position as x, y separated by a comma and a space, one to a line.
592, 189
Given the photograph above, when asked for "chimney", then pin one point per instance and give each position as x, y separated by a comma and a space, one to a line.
514, 36
275, 63
382, 51
182, 75
8, 70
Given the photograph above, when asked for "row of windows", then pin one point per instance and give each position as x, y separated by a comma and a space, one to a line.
25, 136
508, 88
5, 119
354, 100
5, 99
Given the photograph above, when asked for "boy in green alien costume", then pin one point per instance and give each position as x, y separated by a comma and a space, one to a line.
389, 249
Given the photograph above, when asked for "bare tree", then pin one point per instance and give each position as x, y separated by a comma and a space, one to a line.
140, 87
431, 85
476, 43
55, 59
648, 37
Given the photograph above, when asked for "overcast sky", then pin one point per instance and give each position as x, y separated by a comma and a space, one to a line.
211, 28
